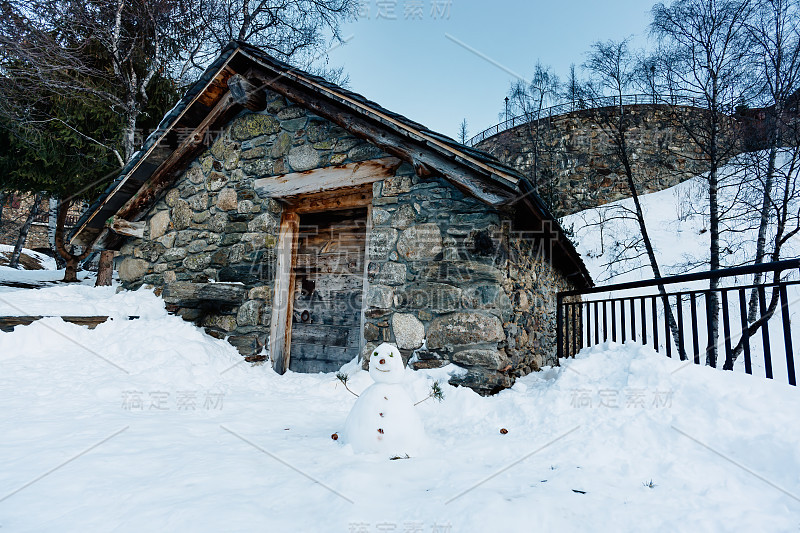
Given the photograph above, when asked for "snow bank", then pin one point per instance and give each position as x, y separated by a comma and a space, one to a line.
158, 426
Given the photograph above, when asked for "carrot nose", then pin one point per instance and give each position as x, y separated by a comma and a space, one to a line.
382, 361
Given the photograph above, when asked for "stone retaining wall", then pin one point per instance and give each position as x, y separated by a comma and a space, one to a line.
577, 163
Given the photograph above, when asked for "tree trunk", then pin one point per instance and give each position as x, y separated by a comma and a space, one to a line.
23, 232
3, 196
71, 271
105, 269
52, 217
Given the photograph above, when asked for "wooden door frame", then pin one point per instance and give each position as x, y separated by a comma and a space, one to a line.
280, 331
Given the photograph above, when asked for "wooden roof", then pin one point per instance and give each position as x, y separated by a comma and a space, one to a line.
217, 97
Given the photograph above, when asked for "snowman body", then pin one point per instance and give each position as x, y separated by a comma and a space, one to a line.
383, 419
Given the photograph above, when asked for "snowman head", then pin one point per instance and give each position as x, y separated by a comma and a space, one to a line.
386, 364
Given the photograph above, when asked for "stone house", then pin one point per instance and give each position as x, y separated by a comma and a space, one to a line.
304, 222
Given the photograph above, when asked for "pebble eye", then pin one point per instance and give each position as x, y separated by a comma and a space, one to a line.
375, 353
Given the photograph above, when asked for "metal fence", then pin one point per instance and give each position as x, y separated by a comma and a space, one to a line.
623, 314
580, 104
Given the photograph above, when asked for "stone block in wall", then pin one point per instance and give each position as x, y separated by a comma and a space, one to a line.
181, 215
484, 358
188, 294
420, 242
253, 125
227, 200
457, 271
409, 332
303, 157
223, 322
132, 269
380, 296
481, 381
463, 328
396, 185
382, 242
250, 313
437, 297
159, 224
486, 296
404, 217
380, 216
246, 344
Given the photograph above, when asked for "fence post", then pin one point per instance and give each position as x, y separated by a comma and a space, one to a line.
559, 327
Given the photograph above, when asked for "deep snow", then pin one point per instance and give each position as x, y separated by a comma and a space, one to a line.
149, 424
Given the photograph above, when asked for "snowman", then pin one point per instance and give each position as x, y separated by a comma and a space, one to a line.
383, 419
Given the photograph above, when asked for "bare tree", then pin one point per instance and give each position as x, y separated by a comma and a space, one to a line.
614, 69
463, 133
573, 90
530, 100
299, 31
708, 41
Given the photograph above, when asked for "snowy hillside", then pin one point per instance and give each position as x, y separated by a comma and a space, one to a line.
150, 424
680, 237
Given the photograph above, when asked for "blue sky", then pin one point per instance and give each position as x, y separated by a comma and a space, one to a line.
400, 55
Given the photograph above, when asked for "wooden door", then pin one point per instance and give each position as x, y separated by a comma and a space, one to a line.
328, 290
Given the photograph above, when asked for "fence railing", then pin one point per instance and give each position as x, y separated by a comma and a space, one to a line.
579, 104
680, 321
44, 218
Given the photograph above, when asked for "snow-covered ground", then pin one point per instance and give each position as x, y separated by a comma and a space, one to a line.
150, 424
37, 260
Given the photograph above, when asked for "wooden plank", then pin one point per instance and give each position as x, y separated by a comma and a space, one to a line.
120, 226
327, 178
327, 335
338, 199
8, 323
280, 336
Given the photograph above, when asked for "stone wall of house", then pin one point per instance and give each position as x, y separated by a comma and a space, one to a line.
446, 278
451, 272
532, 284
577, 163
436, 267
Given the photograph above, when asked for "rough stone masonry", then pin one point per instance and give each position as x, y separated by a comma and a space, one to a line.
448, 278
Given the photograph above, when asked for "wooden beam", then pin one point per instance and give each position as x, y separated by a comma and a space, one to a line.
322, 179
280, 331
334, 200
123, 227
247, 94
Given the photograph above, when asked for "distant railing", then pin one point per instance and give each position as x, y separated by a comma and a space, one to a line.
580, 104
43, 217
627, 316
